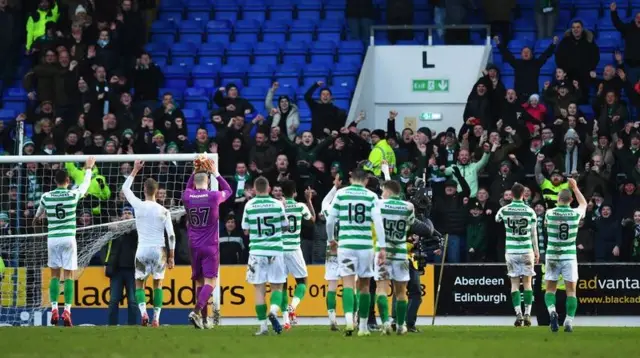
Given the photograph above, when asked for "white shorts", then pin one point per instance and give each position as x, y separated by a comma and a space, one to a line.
355, 262
294, 263
520, 265
63, 253
331, 269
392, 270
266, 269
567, 268
150, 261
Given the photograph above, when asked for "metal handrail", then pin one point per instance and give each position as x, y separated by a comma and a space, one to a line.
429, 28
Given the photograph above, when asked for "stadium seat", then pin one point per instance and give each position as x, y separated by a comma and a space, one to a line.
334, 9
304, 127
288, 76
348, 82
15, 98
232, 72
231, 16
199, 10
323, 51
193, 117
176, 76
260, 75
266, 53
218, 27
275, 31
247, 30
183, 54
317, 69
541, 46
302, 30
163, 31
295, 52
8, 114
204, 75
211, 53
171, 10
254, 10
239, 53
309, 9
197, 99
191, 31
609, 41
330, 30
254, 93
157, 51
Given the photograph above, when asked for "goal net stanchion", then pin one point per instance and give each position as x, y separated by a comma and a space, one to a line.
24, 284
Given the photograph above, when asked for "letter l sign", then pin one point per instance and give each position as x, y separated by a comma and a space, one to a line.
425, 63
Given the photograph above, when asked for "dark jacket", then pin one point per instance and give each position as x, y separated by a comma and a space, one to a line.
526, 72
362, 9
324, 115
578, 57
121, 253
449, 215
607, 235
631, 34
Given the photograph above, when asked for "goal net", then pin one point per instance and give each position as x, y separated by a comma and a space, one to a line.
100, 218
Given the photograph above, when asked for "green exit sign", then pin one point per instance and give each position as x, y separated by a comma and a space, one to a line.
431, 85
430, 116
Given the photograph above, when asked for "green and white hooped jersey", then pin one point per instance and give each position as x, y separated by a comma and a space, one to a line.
397, 216
563, 223
266, 220
60, 206
519, 222
296, 212
354, 207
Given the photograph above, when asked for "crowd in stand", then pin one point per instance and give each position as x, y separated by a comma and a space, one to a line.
88, 61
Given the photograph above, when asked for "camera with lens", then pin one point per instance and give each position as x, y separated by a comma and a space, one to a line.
429, 239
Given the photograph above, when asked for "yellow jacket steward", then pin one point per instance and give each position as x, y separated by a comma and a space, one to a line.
37, 23
381, 151
550, 192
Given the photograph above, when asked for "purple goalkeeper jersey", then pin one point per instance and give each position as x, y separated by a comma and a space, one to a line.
203, 212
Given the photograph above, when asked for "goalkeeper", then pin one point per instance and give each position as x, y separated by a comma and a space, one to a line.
59, 207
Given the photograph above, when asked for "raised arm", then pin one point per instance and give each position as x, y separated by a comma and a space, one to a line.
126, 187
534, 239
376, 216
308, 212
332, 220
582, 202
84, 186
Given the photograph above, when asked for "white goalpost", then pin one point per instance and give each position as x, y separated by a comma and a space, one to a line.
23, 244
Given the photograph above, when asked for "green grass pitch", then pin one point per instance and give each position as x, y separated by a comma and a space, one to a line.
308, 341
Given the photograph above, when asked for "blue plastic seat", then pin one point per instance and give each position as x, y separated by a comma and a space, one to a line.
254, 10
295, 52
548, 68
157, 50
163, 31
334, 9
322, 51
218, 27
171, 14
541, 46
346, 69
587, 5
317, 70
309, 80
176, 76
204, 75
275, 31
267, 53
239, 53
8, 114
524, 24
351, 46
350, 58
171, 6
516, 45
192, 115
211, 54
260, 75
347, 82
605, 24
197, 99
254, 93
231, 16
232, 71
304, 127
609, 41
247, 30
309, 10
302, 30
183, 53
330, 30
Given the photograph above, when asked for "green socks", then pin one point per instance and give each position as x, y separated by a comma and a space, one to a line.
528, 300
363, 306
550, 301
68, 293
140, 296
572, 306
356, 300
276, 301
261, 312
157, 298
515, 299
348, 300
401, 312
383, 307
331, 300
54, 291
300, 290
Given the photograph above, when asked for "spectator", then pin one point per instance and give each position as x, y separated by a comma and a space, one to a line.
399, 12
468, 169
578, 55
632, 236
476, 232
549, 187
498, 15
37, 21
119, 267
9, 30
233, 104
631, 34
147, 80
359, 14
233, 243
527, 68
285, 116
585, 243
262, 156
608, 236
449, 215
325, 116
380, 153
546, 17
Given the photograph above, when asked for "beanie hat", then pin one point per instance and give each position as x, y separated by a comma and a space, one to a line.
128, 131
230, 85
571, 134
172, 145
158, 133
27, 142
4, 216
534, 96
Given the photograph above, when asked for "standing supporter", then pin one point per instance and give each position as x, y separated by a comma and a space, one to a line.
546, 17
631, 35
578, 55
46, 12
527, 68
325, 116
498, 16
360, 15
285, 115
233, 104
